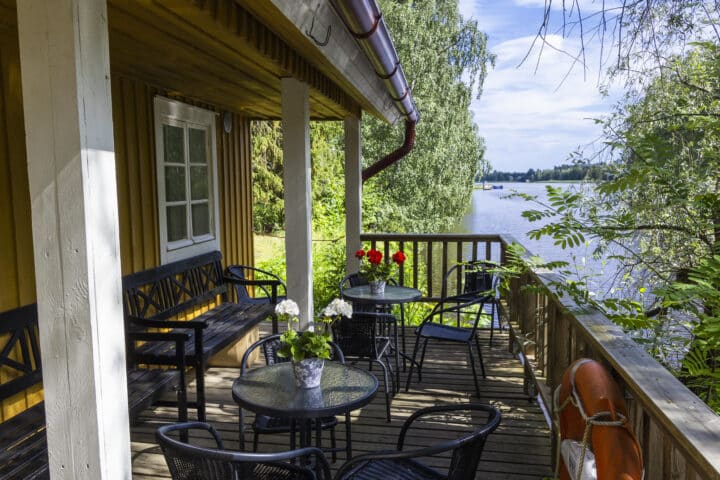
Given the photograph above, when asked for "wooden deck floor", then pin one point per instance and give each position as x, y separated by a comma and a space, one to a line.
519, 448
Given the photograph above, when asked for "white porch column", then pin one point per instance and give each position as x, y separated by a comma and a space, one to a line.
71, 165
298, 209
353, 191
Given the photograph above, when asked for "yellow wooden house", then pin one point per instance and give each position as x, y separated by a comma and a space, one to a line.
105, 108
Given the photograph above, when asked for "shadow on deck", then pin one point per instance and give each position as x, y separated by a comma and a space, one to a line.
519, 448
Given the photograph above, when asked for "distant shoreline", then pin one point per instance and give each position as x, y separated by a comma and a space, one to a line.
479, 186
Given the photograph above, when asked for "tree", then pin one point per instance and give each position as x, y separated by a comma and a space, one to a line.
445, 59
658, 213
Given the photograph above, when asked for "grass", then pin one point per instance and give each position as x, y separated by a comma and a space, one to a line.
268, 246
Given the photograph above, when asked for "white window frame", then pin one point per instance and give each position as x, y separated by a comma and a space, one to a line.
172, 112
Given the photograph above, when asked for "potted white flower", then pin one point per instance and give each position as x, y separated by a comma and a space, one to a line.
308, 350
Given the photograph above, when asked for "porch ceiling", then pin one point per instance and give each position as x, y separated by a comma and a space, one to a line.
215, 52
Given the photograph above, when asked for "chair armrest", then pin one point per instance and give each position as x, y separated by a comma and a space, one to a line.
151, 323
447, 445
259, 282
274, 282
493, 420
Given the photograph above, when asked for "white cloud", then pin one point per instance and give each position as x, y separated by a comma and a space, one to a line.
528, 118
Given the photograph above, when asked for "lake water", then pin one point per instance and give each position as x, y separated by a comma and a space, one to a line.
493, 212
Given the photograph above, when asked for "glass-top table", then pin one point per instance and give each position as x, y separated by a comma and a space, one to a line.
271, 391
394, 294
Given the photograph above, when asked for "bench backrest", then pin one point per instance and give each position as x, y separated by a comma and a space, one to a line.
163, 292
19, 350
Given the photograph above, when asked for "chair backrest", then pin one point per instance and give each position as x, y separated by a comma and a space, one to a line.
470, 277
238, 272
466, 455
467, 449
191, 462
356, 336
270, 346
352, 280
467, 306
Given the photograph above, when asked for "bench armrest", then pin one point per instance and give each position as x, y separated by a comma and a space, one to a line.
178, 337
158, 336
152, 323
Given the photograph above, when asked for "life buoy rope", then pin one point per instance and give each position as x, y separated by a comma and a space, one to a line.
602, 418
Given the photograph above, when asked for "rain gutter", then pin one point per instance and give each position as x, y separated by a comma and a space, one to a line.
364, 21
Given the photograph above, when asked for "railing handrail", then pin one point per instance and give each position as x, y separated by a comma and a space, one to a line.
691, 420
694, 427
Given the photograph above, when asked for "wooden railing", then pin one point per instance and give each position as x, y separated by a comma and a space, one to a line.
679, 434
430, 256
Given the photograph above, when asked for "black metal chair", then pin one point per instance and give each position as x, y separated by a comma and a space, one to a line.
365, 337
243, 276
470, 280
432, 328
403, 464
192, 462
265, 424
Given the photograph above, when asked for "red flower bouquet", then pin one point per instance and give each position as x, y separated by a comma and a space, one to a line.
372, 267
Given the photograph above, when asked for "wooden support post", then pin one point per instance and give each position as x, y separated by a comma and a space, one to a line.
298, 208
353, 191
71, 168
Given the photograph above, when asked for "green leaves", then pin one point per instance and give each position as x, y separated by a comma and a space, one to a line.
299, 346
444, 57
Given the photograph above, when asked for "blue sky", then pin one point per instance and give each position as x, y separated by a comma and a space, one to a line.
532, 119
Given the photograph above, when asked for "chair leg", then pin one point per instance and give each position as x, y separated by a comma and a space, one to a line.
387, 387
422, 360
333, 444
241, 430
412, 364
492, 322
318, 434
474, 372
348, 436
480, 356
200, 387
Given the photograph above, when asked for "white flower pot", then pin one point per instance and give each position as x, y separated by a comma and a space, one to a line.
377, 287
308, 372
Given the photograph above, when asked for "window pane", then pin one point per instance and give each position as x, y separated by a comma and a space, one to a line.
175, 184
174, 144
198, 183
198, 143
176, 223
201, 219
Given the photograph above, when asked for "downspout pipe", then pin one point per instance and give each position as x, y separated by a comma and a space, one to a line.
364, 21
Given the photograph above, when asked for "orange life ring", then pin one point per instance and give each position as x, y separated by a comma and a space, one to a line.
617, 452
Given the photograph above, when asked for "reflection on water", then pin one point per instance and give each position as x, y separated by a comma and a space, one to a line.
493, 212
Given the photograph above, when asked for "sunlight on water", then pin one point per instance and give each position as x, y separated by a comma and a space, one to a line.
493, 212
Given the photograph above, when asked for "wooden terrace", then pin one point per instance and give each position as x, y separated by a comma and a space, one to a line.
679, 435
519, 449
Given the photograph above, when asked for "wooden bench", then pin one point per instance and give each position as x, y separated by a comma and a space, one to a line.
154, 299
23, 443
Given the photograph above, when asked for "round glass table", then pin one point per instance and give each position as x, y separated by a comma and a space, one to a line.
271, 391
394, 294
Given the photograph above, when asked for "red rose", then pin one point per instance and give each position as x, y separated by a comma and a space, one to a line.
398, 257
360, 253
374, 256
